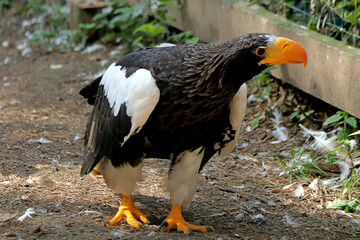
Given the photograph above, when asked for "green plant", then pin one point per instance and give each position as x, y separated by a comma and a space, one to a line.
351, 186
140, 25
255, 122
338, 19
302, 164
347, 206
264, 84
341, 118
300, 115
5, 3
185, 37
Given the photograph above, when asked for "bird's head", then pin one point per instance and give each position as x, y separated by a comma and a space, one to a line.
270, 50
256, 51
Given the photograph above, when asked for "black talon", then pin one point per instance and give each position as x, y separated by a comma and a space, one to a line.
141, 225
210, 229
154, 220
188, 231
164, 224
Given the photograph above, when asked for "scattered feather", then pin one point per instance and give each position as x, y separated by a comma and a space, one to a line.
321, 143
78, 137
5, 182
6, 84
89, 212
268, 168
314, 185
24, 198
345, 169
22, 44
299, 191
41, 140
29, 35
258, 217
244, 145
6, 60
281, 133
248, 129
5, 44
118, 235
277, 120
26, 51
252, 204
218, 214
245, 157
331, 183
290, 222
357, 221
353, 145
251, 98
151, 234
28, 213
34, 20
78, 47
104, 62
56, 66
239, 217
287, 186
14, 101
92, 48
115, 53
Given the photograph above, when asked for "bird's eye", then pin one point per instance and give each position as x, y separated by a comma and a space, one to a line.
260, 51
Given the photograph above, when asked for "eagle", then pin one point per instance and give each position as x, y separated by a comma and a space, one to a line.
184, 103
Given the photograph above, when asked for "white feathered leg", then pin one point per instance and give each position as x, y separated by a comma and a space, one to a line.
123, 180
182, 185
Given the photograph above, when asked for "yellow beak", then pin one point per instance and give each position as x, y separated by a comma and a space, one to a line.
284, 51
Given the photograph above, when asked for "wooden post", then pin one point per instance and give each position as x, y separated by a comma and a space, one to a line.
82, 11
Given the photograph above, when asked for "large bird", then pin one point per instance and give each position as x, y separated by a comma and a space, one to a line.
184, 103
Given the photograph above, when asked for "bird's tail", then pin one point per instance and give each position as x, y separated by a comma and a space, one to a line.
90, 161
89, 91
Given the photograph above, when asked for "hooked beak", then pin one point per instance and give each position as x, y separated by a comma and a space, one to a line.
285, 51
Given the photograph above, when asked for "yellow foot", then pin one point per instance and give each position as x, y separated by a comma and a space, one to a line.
128, 211
176, 221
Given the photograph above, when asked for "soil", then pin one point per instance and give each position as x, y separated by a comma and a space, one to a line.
42, 120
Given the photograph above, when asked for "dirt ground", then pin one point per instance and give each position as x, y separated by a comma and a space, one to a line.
42, 120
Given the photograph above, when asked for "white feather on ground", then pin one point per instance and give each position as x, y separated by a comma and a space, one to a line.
281, 133
324, 144
27, 213
314, 185
290, 222
299, 191
321, 143
345, 169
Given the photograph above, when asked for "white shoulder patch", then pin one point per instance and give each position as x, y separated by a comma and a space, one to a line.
237, 112
139, 92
